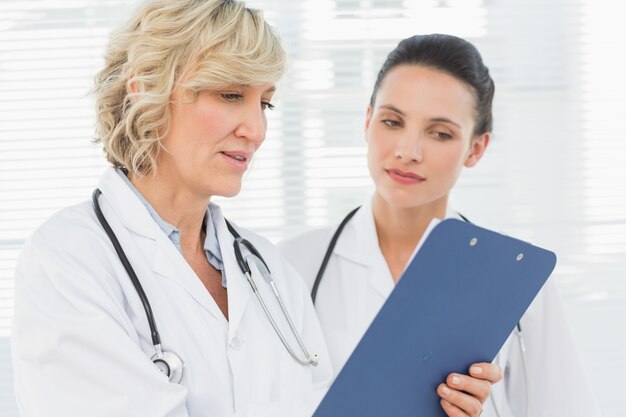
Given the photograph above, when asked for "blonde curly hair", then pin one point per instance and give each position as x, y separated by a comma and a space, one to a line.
193, 45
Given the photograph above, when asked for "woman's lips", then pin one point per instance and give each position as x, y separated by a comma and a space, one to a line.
403, 177
238, 159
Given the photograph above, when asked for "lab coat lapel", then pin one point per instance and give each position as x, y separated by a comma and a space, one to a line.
361, 246
169, 263
238, 287
117, 196
165, 260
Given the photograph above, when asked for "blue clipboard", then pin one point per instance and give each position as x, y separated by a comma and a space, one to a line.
455, 305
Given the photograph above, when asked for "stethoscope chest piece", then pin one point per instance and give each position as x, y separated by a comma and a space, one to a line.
170, 365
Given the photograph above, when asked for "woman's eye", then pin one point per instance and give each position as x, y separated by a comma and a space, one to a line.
267, 105
443, 135
390, 123
231, 96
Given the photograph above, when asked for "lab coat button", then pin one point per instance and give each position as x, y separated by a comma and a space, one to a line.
235, 343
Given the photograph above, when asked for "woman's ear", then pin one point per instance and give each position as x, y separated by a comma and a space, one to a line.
132, 90
132, 85
368, 120
477, 149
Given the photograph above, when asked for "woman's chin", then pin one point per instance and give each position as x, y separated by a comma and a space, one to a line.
402, 199
230, 190
218, 188
399, 199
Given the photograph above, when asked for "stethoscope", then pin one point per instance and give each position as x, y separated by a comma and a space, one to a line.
320, 274
169, 363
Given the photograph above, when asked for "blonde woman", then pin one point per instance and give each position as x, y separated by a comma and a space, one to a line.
144, 300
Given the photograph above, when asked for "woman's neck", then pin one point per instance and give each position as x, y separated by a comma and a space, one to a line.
399, 230
176, 205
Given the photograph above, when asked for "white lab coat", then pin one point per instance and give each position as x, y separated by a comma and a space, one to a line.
81, 342
357, 282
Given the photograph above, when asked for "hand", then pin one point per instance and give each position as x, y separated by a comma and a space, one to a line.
464, 395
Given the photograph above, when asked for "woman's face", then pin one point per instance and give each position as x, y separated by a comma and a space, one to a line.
420, 135
213, 138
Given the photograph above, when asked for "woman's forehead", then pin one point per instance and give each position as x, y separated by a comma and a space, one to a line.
418, 89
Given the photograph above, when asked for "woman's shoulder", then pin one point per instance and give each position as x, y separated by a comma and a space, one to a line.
69, 222
310, 239
67, 233
69, 254
306, 250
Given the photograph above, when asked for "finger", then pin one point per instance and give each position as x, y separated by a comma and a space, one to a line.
474, 387
467, 404
452, 410
487, 371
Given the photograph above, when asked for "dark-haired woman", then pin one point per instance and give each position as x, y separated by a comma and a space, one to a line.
429, 117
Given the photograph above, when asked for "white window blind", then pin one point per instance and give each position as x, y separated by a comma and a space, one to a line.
553, 174
49, 53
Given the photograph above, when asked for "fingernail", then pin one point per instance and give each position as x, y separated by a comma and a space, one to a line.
476, 370
445, 390
456, 380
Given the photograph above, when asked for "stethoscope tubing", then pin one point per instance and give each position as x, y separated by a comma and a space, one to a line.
245, 268
156, 338
160, 356
309, 360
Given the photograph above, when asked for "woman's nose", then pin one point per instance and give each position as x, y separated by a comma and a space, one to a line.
409, 148
253, 124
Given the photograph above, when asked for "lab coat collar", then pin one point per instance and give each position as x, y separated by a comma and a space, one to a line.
361, 240
126, 205
360, 245
238, 288
166, 261
170, 264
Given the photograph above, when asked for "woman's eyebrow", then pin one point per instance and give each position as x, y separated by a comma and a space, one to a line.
392, 108
445, 120
434, 119
270, 89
